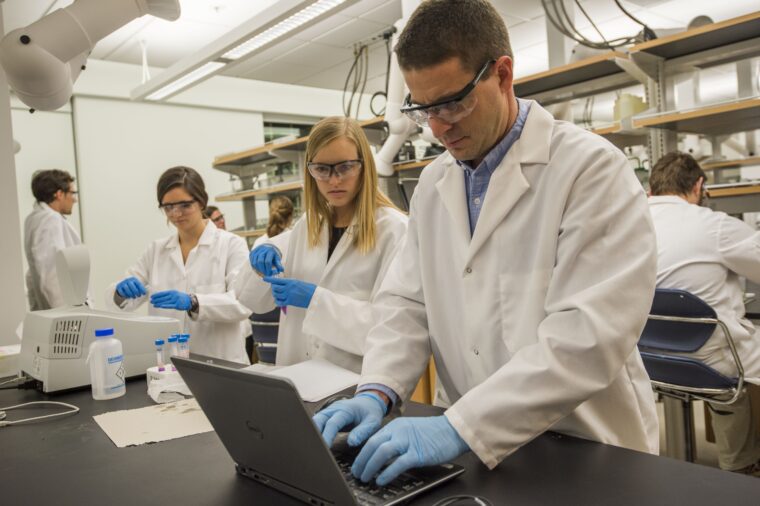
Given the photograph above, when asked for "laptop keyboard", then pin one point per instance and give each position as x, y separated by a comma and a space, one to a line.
369, 494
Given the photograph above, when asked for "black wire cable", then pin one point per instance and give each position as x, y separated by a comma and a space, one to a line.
578, 3
648, 32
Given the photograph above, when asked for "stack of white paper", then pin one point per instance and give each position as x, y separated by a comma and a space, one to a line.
314, 379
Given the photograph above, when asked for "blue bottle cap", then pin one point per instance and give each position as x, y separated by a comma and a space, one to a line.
182, 339
186, 335
103, 332
159, 342
173, 339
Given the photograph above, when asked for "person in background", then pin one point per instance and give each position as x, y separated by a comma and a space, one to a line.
188, 275
46, 231
280, 220
337, 253
215, 215
527, 272
707, 253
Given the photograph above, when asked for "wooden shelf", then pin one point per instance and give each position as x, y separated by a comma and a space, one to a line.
703, 38
414, 164
719, 119
734, 191
248, 194
601, 65
730, 164
620, 138
231, 162
250, 233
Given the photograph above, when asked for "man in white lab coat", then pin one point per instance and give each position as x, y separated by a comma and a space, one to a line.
527, 272
707, 253
45, 232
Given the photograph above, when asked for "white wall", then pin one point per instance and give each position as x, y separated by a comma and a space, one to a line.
123, 147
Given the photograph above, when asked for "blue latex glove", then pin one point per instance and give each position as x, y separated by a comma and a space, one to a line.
171, 299
131, 288
416, 442
365, 411
266, 260
291, 292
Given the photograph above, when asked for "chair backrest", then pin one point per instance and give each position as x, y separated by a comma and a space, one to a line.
677, 336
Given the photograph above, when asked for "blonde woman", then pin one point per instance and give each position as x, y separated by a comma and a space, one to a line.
337, 253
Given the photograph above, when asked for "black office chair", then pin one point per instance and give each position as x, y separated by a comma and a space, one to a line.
264, 327
680, 322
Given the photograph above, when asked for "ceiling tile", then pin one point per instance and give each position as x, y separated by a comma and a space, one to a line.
362, 7
311, 53
283, 72
388, 13
332, 78
117, 39
350, 33
267, 55
229, 13
521, 9
527, 33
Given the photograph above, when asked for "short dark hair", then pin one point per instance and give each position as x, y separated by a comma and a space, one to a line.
46, 183
186, 178
209, 211
438, 30
676, 173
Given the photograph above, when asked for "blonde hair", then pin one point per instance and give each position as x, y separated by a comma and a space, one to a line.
280, 215
369, 198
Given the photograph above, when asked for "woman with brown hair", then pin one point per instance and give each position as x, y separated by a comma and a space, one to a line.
188, 274
336, 256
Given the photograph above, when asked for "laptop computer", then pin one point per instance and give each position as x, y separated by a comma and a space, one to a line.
268, 432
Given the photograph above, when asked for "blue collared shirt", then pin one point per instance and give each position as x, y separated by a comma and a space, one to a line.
476, 180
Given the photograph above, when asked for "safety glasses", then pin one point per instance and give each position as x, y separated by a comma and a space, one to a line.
450, 110
177, 207
324, 171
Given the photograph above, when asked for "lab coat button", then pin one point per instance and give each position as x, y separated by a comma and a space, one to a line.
468, 270
475, 351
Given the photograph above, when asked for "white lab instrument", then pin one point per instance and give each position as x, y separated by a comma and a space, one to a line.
106, 361
55, 341
43, 60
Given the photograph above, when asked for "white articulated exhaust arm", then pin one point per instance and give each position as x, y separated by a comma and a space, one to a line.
400, 128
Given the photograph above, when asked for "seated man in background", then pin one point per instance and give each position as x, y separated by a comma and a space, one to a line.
706, 253
45, 232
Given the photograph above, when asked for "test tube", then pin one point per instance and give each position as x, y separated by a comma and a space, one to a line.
284, 309
173, 352
184, 347
160, 354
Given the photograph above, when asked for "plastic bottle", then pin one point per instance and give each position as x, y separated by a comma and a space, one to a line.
106, 361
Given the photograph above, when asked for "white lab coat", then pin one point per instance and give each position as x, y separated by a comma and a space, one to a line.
220, 328
533, 322
46, 231
706, 253
335, 325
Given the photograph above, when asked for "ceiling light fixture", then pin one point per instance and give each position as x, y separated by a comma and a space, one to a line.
288, 25
261, 31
